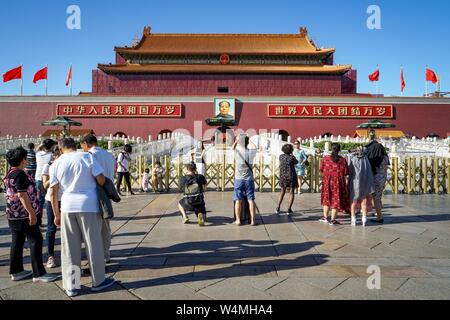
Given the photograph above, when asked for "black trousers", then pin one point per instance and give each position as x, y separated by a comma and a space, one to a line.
21, 229
120, 176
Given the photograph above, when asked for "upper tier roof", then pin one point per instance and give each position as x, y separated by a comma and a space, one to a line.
154, 43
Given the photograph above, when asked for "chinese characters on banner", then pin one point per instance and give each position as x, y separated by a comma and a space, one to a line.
330, 111
120, 110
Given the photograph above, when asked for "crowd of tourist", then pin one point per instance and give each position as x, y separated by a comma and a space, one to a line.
367, 175
65, 183
74, 188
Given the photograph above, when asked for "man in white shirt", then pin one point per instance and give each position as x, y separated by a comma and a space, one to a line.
77, 173
108, 162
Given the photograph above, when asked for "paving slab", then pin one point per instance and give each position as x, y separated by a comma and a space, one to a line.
155, 256
301, 289
166, 289
356, 288
235, 289
426, 289
34, 291
321, 271
231, 270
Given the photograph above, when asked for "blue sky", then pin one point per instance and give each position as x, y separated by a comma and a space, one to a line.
414, 33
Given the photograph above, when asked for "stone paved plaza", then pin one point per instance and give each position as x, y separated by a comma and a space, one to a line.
155, 256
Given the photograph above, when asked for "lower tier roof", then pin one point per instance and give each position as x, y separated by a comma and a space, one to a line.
217, 68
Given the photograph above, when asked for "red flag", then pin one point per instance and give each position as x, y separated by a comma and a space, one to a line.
40, 75
13, 74
402, 80
431, 76
375, 76
69, 76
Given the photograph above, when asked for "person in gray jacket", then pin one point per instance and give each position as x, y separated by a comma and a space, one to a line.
360, 182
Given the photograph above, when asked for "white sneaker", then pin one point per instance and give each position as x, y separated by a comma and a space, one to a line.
45, 278
364, 221
21, 275
51, 263
324, 220
72, 293
353, 222
108, 282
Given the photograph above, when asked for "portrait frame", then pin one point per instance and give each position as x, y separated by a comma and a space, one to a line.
231, 102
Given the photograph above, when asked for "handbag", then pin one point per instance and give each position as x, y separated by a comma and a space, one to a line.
306, 162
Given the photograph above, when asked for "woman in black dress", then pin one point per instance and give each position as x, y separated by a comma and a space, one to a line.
288, 176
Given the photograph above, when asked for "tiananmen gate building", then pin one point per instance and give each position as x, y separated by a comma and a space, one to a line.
166, 82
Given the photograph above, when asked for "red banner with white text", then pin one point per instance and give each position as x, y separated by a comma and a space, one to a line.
330, 111
120, 110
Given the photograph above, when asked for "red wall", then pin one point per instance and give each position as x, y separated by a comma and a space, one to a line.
253, 85
20, 118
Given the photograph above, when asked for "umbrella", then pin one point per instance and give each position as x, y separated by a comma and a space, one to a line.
376, 124
371, 125
63, 122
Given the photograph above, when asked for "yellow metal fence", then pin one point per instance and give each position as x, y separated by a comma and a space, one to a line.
412, 175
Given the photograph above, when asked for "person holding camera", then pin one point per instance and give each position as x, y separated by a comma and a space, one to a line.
244, 183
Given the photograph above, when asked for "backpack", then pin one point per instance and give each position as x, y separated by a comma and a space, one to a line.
193, 191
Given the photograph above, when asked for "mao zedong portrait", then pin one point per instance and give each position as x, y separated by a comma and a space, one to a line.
224, 110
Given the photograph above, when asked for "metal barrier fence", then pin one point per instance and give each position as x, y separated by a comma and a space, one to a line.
409, 175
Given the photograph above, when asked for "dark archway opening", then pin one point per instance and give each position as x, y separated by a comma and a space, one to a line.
165, 131
120, 134
284, 135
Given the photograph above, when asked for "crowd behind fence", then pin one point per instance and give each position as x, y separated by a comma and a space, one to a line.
406, 174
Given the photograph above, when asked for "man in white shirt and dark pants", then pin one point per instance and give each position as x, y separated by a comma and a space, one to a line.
108, 162
77, 173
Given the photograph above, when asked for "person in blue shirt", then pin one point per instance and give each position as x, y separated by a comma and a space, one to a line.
301, 157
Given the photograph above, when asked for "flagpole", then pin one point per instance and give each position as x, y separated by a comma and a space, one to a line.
21, 79
438, 85
46, 82
71, 79
401, 80
376, 82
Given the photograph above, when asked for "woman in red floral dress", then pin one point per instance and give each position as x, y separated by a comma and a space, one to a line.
335, 194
